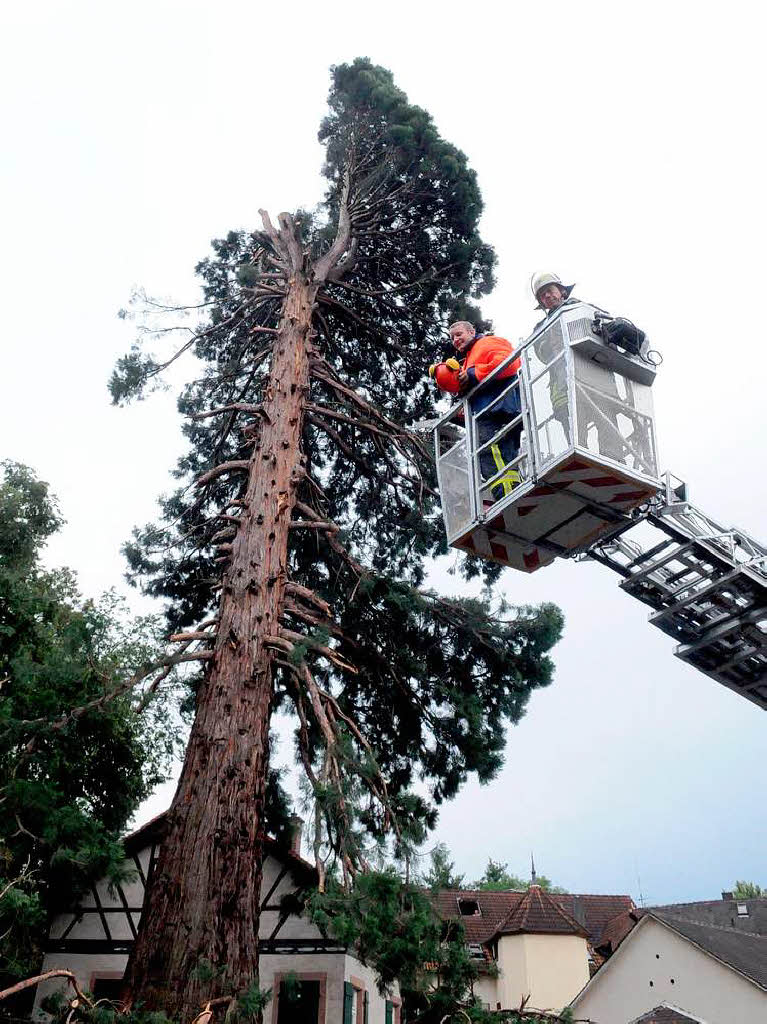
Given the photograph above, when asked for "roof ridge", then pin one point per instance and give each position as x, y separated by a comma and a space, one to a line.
519, 918
698, 903
560, 910
712, 927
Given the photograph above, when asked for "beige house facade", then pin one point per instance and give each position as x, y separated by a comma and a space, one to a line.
710, 973
314, 979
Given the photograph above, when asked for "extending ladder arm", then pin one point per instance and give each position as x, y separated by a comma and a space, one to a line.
706, 584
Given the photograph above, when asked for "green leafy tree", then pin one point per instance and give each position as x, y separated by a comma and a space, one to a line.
394, 929
76, 758
292, 556
441, 873
497, 878
747, 891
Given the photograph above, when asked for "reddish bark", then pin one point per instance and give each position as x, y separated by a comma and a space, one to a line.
204, 896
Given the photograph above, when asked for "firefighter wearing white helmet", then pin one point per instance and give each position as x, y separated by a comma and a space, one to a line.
548, 290
551, 295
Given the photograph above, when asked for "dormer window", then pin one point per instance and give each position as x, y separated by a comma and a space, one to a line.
469, 908
476, 952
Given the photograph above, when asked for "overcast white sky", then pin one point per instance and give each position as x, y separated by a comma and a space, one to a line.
619, 145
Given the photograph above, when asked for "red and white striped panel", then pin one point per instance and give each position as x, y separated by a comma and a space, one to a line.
497, 546
553, 510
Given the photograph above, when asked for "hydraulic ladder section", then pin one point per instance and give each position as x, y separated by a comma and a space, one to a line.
706, 584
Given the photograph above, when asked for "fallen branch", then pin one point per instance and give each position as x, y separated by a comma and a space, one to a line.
58, 973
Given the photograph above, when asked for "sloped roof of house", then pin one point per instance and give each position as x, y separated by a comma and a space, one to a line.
153, 831
722, 913
592, 912
616, 930
538, 912
667, 1014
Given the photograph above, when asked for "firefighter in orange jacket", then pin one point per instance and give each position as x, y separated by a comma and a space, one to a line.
481, 355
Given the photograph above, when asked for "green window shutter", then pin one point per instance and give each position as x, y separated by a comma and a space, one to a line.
389, 1012
348, 1002
365, 1008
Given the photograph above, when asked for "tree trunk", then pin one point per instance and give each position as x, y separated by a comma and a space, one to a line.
204, 898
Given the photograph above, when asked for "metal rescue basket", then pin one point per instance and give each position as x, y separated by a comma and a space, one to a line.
585, 439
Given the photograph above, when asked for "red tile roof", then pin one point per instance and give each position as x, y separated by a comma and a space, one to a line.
537, 912
593, 912
616, 930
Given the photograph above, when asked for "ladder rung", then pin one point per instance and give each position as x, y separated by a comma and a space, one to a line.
639, 576
741, 657
656, 550
699, 595
755, 682
721, 629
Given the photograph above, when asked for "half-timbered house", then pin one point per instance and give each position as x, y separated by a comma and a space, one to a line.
314, 979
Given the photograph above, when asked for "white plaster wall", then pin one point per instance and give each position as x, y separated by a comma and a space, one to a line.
89, 926
621, 989
338, 968
322, 963
83, 966
486, 991
546, 970
377, 1002
557, 967
294, 927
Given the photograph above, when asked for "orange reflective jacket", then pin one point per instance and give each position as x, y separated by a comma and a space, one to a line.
485, 354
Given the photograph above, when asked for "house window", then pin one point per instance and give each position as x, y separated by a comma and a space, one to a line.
392, 1011
469, 908
742, 910
107, 985
299, 998
356, 1002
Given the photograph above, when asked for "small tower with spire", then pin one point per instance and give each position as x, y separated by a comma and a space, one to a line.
542, 951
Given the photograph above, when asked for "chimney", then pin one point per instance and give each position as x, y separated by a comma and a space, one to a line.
727, 896
297, 825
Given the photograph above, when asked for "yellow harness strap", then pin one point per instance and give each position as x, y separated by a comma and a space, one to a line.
511, 478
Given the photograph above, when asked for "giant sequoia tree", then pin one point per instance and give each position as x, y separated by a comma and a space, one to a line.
292, 559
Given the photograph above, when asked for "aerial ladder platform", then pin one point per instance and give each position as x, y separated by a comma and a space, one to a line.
575, 475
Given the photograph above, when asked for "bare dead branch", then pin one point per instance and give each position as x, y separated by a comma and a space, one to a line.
313, 524
234, 407
238, 465
307, 595
58, 973
343, 233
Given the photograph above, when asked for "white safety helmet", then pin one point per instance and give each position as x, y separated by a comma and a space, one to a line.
541, 278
